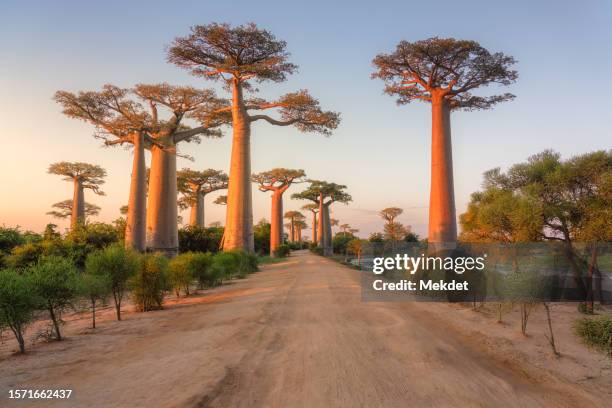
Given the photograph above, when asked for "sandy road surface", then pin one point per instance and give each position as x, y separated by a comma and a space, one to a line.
294, 335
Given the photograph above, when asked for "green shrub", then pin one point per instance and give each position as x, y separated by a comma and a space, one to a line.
200, 239
317, 250
25, 255
55, 281
150, 282
225, 265
119, 264
18, 303
282, 251
183, 270
294, 246
596, 332
246, 263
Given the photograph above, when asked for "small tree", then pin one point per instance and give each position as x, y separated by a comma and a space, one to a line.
63, 209
55, 281
355, 247
83, 176
119, 264
150, 282
181, 272
96, 288
18, 303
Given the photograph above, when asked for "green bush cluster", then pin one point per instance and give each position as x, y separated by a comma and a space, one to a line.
282, 251
596, 332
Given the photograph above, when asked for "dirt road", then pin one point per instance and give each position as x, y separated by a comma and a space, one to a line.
294, 335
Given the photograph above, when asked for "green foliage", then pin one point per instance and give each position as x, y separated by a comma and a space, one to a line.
10, 238
200, 239
96, 288
596, 332
376, 237
186, 267
296, 246
237, 263
56, 282
411, 237
150, 282
18, 303
317, 250
119, 264
261, 233
282, 251
340, 242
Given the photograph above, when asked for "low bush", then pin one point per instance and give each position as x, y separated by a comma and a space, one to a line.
224, 265
317, 250
181, 273
150, 282
596, 332
282, 251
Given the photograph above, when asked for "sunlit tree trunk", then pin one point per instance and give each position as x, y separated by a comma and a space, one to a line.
314, 228
78, 204
327, 231
162, 225
196, 215
442, 218
320, 227
291, 230
239, 218
136, 225
276, 222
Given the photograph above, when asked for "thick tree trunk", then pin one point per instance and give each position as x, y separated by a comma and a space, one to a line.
162, 224
78, 205
196, 217
276, 222
320, 227
239, 218
136, 225
325, 240
442, 218
291, 231
314, 227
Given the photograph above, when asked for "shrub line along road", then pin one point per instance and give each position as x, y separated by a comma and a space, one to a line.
296, 334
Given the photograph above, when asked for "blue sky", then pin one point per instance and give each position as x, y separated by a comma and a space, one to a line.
381, 151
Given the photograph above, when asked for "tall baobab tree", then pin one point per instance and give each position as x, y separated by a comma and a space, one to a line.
324, 194
444, 72
121, 118
63, 209
299, 226
194, 186
238, 56
277, 181
314, 209
84, 176
294, 218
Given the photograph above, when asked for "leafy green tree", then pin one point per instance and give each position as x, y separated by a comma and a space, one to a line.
261, 232
200, 239
117, 262
96, 288
18, 303
55, 281
150, 282
182, 270
194, 186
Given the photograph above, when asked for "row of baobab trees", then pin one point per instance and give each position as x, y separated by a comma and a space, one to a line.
159, 118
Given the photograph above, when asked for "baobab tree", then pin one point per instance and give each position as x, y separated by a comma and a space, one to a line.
444, 72
194, 186
238, 56
121, 118
63, 209
84, 176
294, 218
277, 181
324, 194
314, 209
299, 226
221, 200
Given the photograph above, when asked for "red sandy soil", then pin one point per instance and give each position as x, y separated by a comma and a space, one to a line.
297, 334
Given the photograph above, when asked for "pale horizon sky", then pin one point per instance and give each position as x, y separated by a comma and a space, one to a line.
380, 151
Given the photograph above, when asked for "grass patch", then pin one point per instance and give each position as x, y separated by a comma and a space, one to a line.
596, 332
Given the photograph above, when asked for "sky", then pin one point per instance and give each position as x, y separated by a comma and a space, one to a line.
381, 151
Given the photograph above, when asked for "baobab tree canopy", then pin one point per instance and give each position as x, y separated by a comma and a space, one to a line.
90, 176
331, 191
278, 178
391, 213
192, 182
63, 209
445, 67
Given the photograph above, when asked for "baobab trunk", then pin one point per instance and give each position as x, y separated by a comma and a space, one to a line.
136, 225
320, 229
276, 222
196, 217
78, 205
239, 219
162, 225
442, 218
314, 227
327, 232
291, 231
